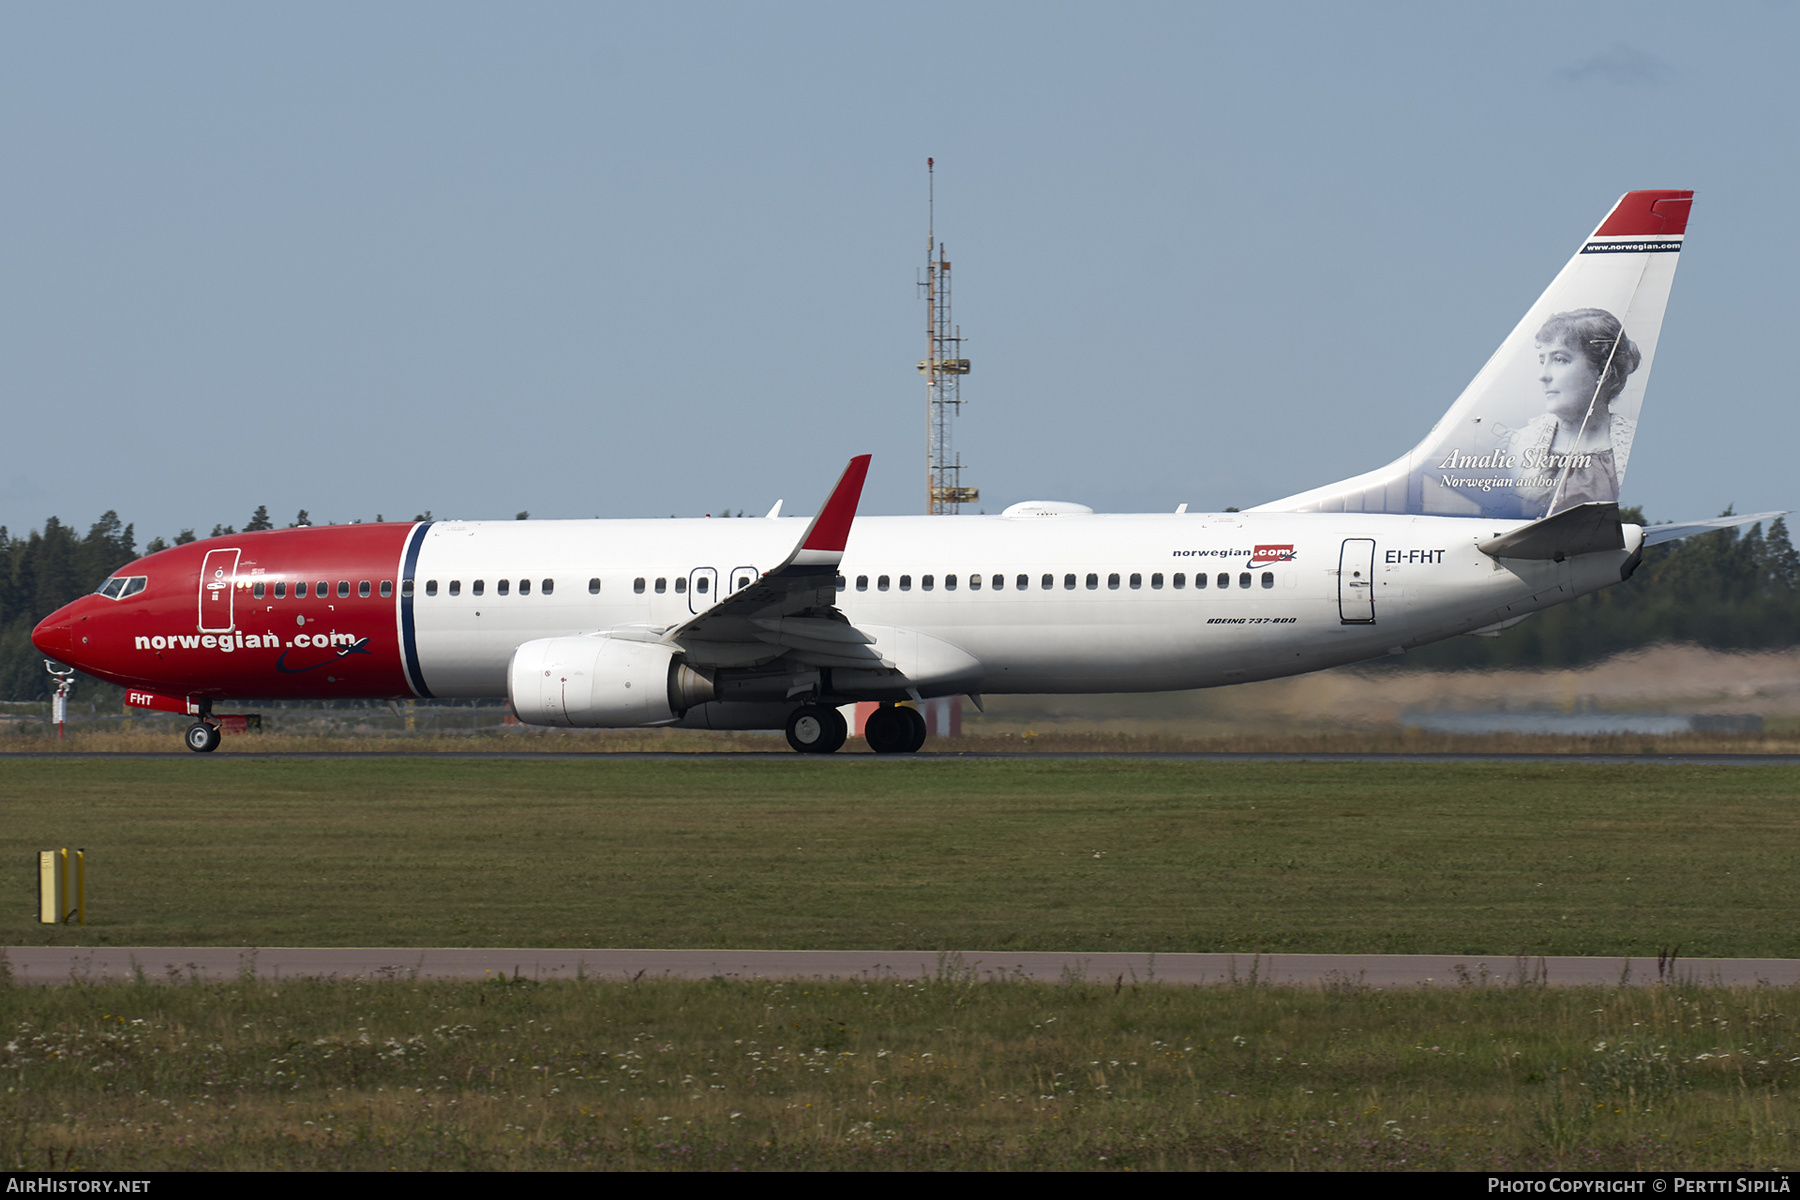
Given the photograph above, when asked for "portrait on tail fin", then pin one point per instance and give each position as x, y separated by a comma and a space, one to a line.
1547, 424
1584, 359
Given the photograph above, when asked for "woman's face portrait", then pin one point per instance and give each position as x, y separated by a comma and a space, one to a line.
1569, 381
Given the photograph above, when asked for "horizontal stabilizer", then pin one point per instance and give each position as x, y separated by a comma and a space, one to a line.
1656, 535
1584, 529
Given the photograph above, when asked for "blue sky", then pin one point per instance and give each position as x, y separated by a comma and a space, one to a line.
592, 260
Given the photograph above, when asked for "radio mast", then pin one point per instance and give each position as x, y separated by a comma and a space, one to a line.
943, 367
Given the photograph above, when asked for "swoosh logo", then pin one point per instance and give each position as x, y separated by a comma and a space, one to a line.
360, 646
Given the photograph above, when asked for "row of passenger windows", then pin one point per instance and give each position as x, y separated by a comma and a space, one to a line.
502, 587
322, 589
702, 584
882, 583
1070, 581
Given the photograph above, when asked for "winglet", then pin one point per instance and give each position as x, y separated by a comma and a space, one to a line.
823, 544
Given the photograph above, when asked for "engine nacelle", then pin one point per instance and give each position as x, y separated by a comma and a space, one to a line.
601, 683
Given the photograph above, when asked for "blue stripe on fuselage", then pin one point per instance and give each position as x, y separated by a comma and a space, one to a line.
409, 641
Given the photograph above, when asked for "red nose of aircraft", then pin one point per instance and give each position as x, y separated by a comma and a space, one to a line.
55, 634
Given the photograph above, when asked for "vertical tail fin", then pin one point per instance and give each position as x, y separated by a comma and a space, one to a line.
1548, 423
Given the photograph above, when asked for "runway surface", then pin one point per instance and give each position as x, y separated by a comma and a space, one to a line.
927, 757
182, 964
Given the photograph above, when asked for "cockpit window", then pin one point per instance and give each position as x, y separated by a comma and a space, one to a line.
120, 586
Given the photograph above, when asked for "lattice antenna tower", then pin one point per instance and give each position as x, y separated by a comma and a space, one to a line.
943, 367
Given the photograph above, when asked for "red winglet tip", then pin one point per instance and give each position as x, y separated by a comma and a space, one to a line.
831, 528
1648, 214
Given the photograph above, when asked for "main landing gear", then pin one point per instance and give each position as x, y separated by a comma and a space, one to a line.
202, 737
894, 730
820, 729
816, 729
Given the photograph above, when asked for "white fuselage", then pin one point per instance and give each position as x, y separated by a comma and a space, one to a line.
1133, 619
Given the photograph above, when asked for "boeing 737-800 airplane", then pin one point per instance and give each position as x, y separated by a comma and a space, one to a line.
1509, 505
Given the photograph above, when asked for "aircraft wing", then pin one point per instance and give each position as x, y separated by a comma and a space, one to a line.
792, 608
1656, 535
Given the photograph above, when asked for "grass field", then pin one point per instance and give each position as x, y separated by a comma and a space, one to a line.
1474, 859
938, 1072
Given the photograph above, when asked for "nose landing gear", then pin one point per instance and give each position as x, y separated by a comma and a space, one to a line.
202, 737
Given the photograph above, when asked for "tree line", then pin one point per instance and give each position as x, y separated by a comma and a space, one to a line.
1727, 590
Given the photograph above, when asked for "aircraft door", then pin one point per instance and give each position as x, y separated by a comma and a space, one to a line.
739, 579
703, 589
1356, 582
218, 580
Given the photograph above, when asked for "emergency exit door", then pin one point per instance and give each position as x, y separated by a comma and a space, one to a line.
703, 589
1356, 582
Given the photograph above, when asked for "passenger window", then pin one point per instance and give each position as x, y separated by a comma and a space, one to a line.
702, 584
281, 590
300, 590
503, 586
456, 587
1155, 581
906, 583
322, 589
881, 585
862, 583
743, 582
1224, 580
1244, 580
680, 586
1000, 582
525, 586
1023, 582
362, 589
256, 589
637, 585
975, 582
343, 589
406, 589
1112, 581
547, 587
1180, 580
842, 583
1094, 581
387, 588
594, 586
430, 588
1068, 583
662, 585
1268, 579
1199, 580
949, 583
478, 586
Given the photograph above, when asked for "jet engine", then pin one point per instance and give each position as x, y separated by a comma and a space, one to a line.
602, 683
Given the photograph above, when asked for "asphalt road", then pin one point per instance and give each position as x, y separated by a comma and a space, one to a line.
65, 964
